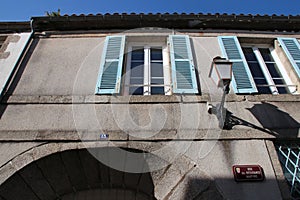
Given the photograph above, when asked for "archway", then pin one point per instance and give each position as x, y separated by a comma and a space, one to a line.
75, 174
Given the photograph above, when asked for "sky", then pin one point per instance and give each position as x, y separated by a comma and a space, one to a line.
23, 10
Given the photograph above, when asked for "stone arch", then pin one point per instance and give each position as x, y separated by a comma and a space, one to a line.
179, 180
60, 171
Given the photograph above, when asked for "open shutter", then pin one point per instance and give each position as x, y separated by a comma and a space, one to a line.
242, 79
183, 70
109, 78
291, 48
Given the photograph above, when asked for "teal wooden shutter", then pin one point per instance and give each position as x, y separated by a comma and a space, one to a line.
109, 78
291, 48
183, 70
242, 81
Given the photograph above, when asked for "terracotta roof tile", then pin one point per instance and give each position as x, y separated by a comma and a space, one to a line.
217, 21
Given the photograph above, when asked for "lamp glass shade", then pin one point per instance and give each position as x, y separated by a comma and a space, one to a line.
221, 71
224, 70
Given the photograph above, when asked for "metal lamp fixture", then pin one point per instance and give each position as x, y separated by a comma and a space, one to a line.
221, 74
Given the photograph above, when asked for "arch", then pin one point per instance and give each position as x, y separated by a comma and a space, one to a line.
68, 173
181, 179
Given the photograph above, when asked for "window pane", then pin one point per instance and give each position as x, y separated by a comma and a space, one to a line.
157, 69
137, 53
277, 78
255, 70
249, 54
266, 54
136, 90
157, 90
262, 85
138, 80
282, 90
137, 69
273, 70
156, 81
156, 54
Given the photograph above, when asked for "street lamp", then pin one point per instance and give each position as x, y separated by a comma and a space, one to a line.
220, 73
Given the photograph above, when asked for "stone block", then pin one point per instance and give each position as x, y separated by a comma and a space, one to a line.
172, 176
192, 185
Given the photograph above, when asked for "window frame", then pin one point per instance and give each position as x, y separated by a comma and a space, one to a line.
231, 48
147, 78
180, 74
268, 77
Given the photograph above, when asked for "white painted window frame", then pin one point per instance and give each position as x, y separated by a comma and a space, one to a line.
291, 86
147, 61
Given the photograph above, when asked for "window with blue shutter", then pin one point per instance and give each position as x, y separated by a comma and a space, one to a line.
183, 69
291, 48
242, 79
109, 78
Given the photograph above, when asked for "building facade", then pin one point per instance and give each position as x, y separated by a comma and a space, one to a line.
116, 107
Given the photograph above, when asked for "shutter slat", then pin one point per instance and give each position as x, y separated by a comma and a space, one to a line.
183, 71
111, 65
231, 48
291, 48
242, 79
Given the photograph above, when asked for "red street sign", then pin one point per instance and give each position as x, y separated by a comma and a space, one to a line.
248, 173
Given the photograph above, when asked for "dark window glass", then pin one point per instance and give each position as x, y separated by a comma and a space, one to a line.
136, 90
157, 69
137, 53
137, 69
156, 54
256, 70
136, 80
266, 54
157, 90
248, 52
157, 81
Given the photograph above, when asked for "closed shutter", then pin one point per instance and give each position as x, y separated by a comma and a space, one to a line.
291, 48
109, 78
183, 70
242, 79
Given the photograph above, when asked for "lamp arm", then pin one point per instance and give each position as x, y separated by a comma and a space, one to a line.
221, 111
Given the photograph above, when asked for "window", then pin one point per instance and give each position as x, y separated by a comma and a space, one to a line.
289, 155
149, 67
147, 71
257, 67
264, 70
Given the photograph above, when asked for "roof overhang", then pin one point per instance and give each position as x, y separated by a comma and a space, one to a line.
166, 20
